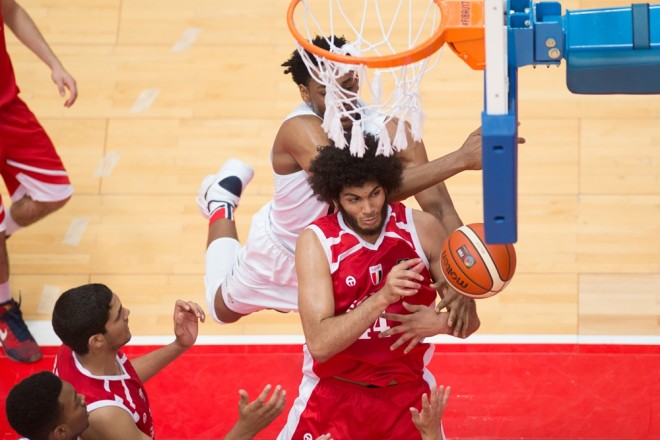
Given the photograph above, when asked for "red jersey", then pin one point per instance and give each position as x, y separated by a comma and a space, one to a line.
124, 391
8, 87
359, 270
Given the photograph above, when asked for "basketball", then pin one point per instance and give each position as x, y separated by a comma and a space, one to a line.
473, 267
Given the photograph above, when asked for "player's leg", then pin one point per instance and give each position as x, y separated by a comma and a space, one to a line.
38, 184
218, 197
31, 168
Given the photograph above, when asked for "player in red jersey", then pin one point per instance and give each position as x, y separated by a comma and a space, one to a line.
93, 325
44, 407
371, 257
31, 168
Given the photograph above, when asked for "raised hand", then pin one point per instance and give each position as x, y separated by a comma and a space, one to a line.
428, 419
255, 416
187, 315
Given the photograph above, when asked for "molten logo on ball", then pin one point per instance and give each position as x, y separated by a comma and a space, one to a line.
450, 274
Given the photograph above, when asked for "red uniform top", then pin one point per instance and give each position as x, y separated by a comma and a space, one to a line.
8, 87
124, 391
359, 270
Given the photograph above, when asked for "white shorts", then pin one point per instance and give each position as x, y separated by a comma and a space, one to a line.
264, 276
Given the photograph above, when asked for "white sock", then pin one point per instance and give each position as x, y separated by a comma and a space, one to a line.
5, 294
221, 256
11, 224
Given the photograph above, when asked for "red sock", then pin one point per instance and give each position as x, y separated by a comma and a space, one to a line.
225, 210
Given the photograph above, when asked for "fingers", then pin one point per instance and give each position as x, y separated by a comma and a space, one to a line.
243, 399
191, 308
449, 297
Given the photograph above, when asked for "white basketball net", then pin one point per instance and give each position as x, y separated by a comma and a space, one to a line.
386, 96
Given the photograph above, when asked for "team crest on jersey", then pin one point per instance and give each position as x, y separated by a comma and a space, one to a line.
376, 273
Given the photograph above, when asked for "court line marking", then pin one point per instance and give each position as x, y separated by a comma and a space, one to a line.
145, 100
76, 230
187, 39
43, 333
49, 295
107, 164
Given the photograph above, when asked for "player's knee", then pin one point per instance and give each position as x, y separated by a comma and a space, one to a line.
46, 208
221, 313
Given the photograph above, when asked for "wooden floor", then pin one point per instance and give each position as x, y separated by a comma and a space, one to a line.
171, 89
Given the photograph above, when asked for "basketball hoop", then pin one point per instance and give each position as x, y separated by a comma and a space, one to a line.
391, 46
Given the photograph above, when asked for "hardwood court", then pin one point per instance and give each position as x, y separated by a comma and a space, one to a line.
171, 89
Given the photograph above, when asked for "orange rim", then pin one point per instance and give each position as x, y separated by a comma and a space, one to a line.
417, 53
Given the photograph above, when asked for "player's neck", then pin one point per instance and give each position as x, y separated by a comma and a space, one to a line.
101, 363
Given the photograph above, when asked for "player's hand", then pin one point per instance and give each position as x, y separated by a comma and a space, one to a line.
64, 81
428, 419
459, 308
422, 322
187, 315
255, 416
403, 280
471, 150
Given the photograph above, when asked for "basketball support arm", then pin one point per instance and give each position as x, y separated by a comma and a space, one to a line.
607, 51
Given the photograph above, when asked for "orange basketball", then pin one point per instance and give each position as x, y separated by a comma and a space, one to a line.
472, 266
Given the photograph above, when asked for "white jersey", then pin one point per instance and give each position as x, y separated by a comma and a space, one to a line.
294, 205
264, 273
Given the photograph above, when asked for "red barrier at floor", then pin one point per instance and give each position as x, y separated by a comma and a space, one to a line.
557, 392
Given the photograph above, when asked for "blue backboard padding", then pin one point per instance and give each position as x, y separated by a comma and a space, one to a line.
614, 71
500, 164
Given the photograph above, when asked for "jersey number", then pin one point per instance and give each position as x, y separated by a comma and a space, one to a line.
379, 326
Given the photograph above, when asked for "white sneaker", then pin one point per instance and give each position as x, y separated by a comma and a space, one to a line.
225, 186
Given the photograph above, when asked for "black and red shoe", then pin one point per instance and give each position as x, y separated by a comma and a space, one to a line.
16, 339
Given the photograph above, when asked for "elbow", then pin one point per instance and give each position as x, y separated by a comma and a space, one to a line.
319, 352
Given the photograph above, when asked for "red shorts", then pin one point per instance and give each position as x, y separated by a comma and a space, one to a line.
350, 412
29, 164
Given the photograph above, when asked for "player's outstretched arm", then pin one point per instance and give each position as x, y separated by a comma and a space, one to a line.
254, 416
187, 315
428, 419
22, 25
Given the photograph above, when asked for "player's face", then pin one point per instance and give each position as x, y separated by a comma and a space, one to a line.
75, 418
117, 332
314, 95
364, 209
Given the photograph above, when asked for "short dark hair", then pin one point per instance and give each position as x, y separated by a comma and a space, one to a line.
33, 408
334, 169
80, 313
296, 66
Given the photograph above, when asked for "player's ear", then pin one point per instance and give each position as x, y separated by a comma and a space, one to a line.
304, 93
60, 432
96, 341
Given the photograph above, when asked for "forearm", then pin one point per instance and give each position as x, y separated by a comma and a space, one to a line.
437, 201
149, 364
22, 25
240, 432
336, 333
418, 177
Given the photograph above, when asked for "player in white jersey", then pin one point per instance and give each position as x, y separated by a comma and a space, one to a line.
369, 260
261, 275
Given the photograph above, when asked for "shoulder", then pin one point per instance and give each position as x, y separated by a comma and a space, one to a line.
429, 229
